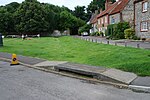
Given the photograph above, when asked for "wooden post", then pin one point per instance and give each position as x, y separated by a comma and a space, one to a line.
108, 42
125, 44
115, 43
138, 45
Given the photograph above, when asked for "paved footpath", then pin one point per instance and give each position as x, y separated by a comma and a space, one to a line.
125, 43
101, 73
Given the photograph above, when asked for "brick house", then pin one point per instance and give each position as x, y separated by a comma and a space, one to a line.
120, 11
142, 18
103, 17
123, 12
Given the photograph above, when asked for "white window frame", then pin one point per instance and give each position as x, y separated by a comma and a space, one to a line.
99, 21
145, 6
144, 26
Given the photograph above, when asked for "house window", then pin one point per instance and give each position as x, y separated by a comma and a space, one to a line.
144, 6
106, 19
144, 26
112, 20
98, 21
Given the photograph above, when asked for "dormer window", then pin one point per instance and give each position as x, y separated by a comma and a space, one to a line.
145, 6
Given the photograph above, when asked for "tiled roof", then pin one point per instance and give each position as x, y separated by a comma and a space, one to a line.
120, 6
114, 8
107, 10
94, 20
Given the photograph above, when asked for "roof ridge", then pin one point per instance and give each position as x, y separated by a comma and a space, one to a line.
123, 6
108, 9
116, 5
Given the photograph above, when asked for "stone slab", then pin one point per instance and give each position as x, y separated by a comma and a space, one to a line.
121, 76
141, 81
80, 68
49, 63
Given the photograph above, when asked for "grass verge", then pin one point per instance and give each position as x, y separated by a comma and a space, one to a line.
80, 51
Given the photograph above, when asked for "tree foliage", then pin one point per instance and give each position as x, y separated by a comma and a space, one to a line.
84, 28
80, 12
6, 20
32, 17
97, 4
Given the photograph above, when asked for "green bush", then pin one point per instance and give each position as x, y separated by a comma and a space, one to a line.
84, 28
93, 34
101, 33
136, 38
129, 33
116, 31
97, 33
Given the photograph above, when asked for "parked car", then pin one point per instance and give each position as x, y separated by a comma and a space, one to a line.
85, 34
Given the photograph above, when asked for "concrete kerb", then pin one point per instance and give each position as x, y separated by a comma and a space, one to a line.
124, 43
139, 88
90, 80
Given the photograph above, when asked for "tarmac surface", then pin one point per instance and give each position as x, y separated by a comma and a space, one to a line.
113, 75
23, 83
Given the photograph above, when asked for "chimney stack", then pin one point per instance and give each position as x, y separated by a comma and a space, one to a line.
100, 10
107, 4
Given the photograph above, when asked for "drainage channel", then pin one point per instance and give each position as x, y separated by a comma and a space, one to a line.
75, 73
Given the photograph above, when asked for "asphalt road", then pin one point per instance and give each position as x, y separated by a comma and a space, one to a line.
22, 83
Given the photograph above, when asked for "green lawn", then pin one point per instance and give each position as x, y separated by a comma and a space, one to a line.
80, 51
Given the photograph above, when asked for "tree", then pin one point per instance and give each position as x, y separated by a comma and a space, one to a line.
97, 4
31, 17
68, 21
12, 7
6, 23
80, 12
84, 28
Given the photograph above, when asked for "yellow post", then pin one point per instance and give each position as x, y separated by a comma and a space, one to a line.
14, 60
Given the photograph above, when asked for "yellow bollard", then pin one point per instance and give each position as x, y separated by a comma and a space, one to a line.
14, 60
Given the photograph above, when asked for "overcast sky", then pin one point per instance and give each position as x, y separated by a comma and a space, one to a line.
68, 3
